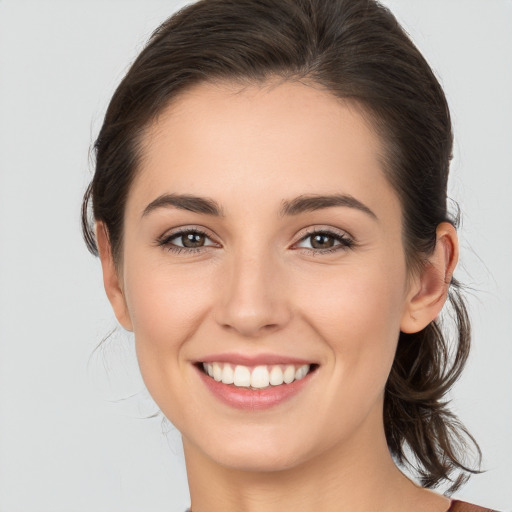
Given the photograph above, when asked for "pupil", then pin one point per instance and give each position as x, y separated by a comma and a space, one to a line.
193, 240
322, 241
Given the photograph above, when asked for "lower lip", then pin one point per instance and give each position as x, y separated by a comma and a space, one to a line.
253, 399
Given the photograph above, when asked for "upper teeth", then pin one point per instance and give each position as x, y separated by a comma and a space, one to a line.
257, 376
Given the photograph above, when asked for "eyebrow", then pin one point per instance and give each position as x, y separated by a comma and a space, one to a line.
187, 202
309, 203
301, 204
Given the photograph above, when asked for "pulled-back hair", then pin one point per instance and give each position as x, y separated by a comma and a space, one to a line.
357, 51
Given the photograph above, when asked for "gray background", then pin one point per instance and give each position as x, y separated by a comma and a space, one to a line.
72, 433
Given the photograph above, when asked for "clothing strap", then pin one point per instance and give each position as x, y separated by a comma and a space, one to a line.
462, 506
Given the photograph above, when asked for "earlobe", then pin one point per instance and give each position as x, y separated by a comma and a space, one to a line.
429, 290
111, 279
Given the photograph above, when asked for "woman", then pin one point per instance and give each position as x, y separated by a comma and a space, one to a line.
270, 214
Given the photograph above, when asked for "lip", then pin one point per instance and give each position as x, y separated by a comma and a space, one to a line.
253, 399
254, 360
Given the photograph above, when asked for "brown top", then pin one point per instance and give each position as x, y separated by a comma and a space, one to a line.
456, 506
461, 506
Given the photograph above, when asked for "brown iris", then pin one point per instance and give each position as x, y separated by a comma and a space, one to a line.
322, 241
193, 240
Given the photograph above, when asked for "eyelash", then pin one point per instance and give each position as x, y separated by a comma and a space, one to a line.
166, 241
345, 241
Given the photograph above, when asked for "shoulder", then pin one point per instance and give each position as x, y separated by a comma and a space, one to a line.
462, 506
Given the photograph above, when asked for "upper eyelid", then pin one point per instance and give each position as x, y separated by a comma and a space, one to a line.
175, 232
304, 233
166, 241
342, 233
345, 239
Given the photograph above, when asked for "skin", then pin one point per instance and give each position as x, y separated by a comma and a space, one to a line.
259, 286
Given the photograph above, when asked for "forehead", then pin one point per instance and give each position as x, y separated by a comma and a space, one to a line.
279, 140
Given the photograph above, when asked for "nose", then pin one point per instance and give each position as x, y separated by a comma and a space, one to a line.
253, 300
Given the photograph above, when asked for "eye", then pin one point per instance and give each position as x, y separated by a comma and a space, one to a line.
325, 241
186, 240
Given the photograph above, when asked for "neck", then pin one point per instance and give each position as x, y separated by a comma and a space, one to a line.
359, 479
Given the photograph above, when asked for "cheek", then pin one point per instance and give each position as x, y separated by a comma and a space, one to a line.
166, 306
358, 311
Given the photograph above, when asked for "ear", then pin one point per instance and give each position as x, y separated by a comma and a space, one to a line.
429, 290
111, 279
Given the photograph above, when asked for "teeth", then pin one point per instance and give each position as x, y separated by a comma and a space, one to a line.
276, 376
301, 372
242, 376
227, 374
208, 368
289, 374
258, 377
217, 372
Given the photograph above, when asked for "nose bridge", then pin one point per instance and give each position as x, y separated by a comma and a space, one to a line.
253, 301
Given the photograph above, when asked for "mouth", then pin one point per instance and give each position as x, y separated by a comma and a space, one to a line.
258, 377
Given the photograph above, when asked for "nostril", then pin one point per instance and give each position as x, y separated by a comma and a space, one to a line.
250, 327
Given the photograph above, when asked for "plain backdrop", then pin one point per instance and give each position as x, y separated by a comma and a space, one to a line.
76, 432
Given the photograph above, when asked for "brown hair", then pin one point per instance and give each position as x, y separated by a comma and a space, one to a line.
356, 50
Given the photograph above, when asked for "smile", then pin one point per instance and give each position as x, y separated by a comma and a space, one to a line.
257, 377
255, 386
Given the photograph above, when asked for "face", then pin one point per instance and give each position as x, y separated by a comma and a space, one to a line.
262, 241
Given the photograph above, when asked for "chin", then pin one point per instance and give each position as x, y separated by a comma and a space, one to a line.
257, 449
254, 460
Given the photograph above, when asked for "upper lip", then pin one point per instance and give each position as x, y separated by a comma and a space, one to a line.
253, 360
